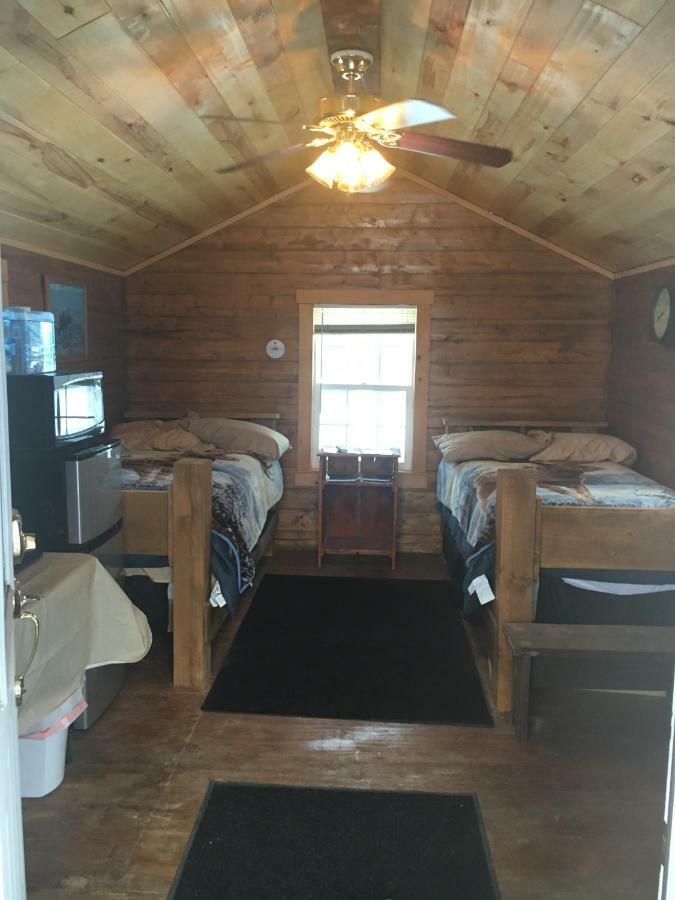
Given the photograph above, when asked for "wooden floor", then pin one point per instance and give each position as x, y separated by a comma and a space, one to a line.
574, 814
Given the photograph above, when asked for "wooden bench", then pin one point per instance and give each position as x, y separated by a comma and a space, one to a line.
528, 640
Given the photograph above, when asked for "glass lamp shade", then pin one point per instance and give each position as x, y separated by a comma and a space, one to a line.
350, 167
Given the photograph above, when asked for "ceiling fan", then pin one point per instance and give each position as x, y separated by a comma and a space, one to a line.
351, 126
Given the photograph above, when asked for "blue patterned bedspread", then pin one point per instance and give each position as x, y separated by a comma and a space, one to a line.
245, 488
468, 490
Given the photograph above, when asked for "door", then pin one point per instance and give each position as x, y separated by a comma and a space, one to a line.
667, 882
12, 879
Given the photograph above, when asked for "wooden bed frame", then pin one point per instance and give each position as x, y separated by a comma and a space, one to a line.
177, 524
530, 537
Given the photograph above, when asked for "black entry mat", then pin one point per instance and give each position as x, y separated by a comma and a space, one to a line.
347, 648
257, 842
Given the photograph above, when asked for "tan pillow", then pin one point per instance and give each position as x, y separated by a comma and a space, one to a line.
587, 447
135, 435
177, 438
158, 435
500, 445
236, 436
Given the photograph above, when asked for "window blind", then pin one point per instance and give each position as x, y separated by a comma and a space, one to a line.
364, 319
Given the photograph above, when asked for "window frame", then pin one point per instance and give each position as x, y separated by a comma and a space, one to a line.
307, 468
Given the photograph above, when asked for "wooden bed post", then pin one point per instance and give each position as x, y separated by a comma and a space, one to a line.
191, 534
516, 567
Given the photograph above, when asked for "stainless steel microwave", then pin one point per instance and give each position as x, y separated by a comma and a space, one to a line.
53, 410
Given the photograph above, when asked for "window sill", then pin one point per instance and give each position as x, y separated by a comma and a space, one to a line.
411, 481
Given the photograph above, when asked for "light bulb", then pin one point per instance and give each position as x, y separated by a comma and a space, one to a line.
350, 167
323, 168
375, 167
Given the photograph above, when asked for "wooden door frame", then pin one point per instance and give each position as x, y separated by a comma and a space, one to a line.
12, 877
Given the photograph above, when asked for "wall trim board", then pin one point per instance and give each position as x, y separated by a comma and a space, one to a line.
282, 195
62, 257
175, 248
288, 192
365, 296
523, 232
648, 267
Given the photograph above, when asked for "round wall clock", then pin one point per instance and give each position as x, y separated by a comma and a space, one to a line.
662, 316
275, 349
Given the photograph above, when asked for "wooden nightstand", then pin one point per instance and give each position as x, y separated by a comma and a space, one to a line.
358, 497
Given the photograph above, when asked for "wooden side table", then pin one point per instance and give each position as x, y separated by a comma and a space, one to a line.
358, 499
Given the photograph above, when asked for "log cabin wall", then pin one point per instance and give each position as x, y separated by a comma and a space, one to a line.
517, 330
641, 405
105, 315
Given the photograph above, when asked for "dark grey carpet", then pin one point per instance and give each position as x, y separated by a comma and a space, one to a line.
255, 842
346, 648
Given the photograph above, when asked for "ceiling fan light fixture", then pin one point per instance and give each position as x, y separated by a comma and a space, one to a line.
352, 125
351, 167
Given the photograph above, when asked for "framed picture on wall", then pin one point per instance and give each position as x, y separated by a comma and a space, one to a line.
68, 302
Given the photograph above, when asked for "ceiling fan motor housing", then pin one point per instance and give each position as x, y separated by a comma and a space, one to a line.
343, 107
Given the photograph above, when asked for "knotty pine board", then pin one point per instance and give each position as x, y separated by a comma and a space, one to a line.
641, 401
116, 117
517, 331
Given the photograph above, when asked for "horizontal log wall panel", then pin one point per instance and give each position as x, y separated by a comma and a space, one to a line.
641, 404
516, 331
408, 239
543, 284
105, 315
382, 262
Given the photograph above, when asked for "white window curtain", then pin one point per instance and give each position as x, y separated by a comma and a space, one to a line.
363, 374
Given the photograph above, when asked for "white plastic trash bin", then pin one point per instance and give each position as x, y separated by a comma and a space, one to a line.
42, 763
42, 752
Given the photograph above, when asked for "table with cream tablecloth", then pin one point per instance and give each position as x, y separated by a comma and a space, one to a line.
86, 620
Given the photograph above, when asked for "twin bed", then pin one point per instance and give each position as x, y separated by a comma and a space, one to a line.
596, 528
204, 519
200, 517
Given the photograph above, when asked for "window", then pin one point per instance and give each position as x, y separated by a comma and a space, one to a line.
364, 365
363, 376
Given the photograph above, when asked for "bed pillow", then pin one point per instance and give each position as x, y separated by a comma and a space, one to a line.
158, 435
236, 436
577, 446
500, 445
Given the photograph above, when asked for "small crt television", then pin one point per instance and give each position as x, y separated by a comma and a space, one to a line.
52, 410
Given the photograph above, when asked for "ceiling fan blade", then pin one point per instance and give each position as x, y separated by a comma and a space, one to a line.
257, 160
405, 114
431, 145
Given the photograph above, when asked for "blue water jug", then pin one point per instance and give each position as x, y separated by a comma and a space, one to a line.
30, 346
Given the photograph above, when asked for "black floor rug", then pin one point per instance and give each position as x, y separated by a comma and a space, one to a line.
255, 842
347, 648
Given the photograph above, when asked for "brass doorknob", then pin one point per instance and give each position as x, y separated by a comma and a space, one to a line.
21, 542
20, 613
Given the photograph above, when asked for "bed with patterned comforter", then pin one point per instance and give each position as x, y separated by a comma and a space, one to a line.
245, 488
466, 493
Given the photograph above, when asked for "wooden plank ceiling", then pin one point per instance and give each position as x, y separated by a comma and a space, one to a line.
115, 115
